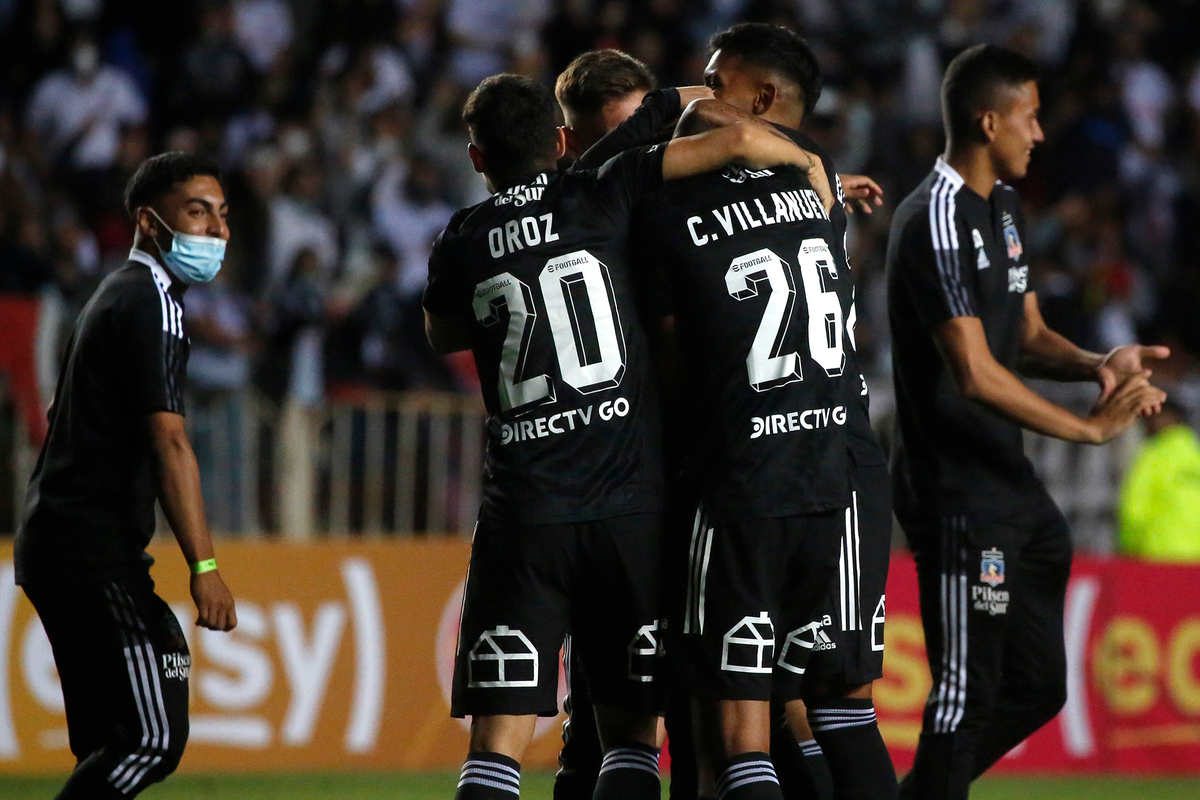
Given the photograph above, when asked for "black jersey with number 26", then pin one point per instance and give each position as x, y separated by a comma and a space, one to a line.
540, 273
745, 261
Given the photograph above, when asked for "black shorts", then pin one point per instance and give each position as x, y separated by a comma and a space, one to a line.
849, 642
124, 667
752, 593
528, 587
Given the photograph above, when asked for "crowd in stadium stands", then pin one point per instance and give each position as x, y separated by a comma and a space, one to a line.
337, 125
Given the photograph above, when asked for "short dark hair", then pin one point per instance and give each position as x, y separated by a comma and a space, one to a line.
598, 77
973, 82
776, 48
159, 174
513, 120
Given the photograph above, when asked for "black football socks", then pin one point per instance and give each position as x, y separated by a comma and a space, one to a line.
489, 776
629, 772
848, 733
750, 776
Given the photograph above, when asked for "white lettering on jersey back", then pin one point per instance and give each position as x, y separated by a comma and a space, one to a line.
562, 422
517, 234
793, 421
747, 215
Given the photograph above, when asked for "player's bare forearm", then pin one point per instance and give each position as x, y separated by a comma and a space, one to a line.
705, 114
447, 334
689, 94
746, 143
1048, 354
179, 486
178, 478
981, 378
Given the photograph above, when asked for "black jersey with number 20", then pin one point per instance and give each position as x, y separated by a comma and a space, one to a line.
745, 261
540, 273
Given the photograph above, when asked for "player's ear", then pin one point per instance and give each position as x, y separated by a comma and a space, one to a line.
147, 225
574, 146
764, 99
987, 125
560, 142
477, 159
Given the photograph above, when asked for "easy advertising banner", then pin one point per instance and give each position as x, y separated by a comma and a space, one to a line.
343, 655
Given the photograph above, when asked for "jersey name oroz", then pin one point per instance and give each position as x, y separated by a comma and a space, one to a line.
787, 206
517, 234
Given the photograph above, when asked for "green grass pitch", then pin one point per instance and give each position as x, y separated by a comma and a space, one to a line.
536, 786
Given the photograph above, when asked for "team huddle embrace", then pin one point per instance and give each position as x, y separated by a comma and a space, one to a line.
713, 551
682, 492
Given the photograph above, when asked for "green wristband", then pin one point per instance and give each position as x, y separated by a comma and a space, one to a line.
201, 567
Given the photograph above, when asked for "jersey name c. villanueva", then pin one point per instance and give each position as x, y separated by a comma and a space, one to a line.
539, 272
744, 261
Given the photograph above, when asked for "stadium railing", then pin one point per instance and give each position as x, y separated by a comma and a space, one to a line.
409, 464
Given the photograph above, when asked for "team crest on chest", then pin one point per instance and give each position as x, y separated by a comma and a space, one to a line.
991, 568
1011, 238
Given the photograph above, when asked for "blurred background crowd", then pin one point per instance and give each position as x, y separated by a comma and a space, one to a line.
337, 125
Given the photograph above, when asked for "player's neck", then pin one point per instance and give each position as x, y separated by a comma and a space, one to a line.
785, 117
975, 167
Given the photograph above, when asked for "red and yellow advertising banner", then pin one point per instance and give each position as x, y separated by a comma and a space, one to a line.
343, 655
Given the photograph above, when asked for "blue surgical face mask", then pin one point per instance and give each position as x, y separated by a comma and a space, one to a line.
193, 259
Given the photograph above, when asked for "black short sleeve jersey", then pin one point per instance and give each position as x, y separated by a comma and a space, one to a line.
864, 447
745, 262
539, 272
89, 511
951, 253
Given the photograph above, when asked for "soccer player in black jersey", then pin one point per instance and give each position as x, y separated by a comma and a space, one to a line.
534, 282
594, 91
993, 552
764, 363
756, 70
116, 442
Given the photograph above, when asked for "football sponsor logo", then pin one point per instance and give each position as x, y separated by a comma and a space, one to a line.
644, 650
502, 658
981, 259
803, 642
176, 666
735, 174
263, 684
809, 420
749, 646
1018, 279
562, 422
993, 601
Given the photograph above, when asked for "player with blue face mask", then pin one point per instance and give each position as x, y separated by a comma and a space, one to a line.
192, 215
192, 258
117, 444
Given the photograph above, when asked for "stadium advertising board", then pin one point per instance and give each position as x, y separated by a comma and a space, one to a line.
342, 658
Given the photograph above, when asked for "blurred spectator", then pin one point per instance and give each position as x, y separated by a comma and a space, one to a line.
338, 125
77, 113
218, 78
408, 208
1159, 507
292, 371
298, 224
221, 328
264, 29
